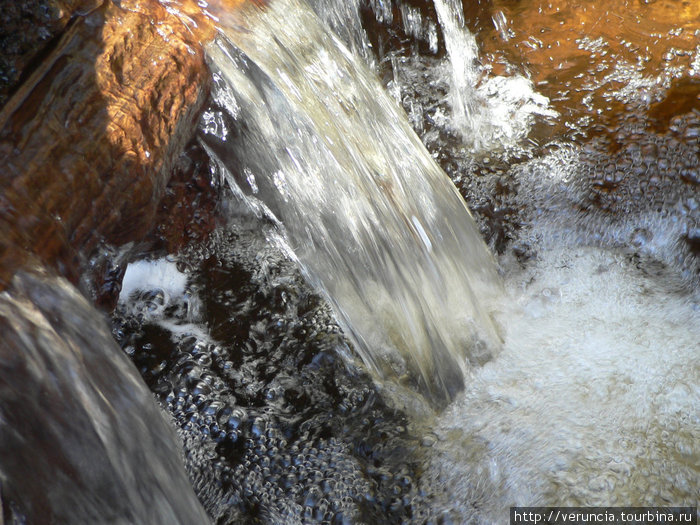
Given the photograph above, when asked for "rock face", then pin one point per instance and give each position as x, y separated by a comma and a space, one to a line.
88, 142
26, 28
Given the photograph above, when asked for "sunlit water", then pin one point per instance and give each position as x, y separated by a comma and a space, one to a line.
593, 212
307, 134
594, 400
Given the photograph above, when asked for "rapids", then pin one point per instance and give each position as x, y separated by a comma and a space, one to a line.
294, 348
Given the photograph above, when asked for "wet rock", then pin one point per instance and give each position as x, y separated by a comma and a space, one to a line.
188, 210
81, 439
110, 95
90, 139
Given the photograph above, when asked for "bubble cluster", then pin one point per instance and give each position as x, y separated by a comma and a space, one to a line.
277, 426
592, 401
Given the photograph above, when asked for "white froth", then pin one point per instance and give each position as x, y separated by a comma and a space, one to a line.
160, 274
594, 400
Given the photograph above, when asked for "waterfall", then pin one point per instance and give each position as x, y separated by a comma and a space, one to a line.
463, 54
305, 134
487, 111
568, 375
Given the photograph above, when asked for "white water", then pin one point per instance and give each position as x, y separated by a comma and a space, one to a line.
463, 54
161, 274
594, 400
375, 223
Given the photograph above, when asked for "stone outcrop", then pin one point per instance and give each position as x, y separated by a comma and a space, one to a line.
89, 140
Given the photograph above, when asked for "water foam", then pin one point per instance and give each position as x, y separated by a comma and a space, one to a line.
144, 274
593, 400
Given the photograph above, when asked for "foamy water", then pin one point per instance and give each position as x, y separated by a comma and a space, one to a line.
161, 274
486, 111
594, 400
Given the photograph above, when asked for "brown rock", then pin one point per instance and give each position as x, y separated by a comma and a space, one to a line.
88, 143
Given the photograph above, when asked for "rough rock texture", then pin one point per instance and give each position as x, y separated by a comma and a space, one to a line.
88, 142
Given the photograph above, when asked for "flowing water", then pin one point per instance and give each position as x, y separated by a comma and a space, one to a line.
576, 147
374, 222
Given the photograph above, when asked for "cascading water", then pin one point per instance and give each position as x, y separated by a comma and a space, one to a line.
592, 399
486, 112
306, 133
284, 133
463, 54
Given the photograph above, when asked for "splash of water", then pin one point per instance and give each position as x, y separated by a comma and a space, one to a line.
485, 110
463, 53
307, 135
593, 400
587, 404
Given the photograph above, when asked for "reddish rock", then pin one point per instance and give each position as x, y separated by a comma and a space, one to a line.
89, 141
